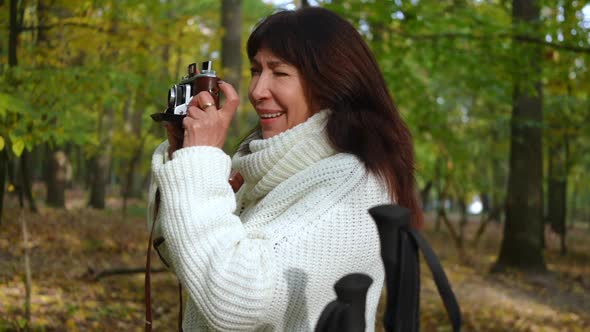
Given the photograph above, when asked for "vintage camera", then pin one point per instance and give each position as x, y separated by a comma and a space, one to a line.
181, 94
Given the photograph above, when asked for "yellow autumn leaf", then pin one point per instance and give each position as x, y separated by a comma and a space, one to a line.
18, 145
71, 324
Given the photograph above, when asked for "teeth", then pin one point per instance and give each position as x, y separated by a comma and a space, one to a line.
271, 115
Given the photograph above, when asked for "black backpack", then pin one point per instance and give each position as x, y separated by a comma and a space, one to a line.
399, 250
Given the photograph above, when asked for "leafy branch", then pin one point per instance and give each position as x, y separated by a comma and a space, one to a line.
519, 37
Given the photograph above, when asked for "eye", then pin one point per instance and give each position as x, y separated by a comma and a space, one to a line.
280, 73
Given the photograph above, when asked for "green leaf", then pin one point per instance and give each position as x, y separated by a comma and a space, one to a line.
18, 145
10, 103
2, 143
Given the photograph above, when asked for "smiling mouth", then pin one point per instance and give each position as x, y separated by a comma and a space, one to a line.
271, 115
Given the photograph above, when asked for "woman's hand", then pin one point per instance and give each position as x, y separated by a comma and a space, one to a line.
205, 124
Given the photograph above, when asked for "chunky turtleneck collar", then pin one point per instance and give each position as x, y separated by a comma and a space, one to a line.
273, 160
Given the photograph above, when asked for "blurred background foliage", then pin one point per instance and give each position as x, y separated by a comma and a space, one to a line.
83, 77
79, 80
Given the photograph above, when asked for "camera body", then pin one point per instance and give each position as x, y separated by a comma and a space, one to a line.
180, 95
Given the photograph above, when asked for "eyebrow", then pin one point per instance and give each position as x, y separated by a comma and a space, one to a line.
274, 63
271, 64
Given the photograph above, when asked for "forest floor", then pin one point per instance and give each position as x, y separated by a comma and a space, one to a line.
69, 247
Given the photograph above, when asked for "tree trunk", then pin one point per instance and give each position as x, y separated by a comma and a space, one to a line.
558, 153
2, 50
557, 190
440, 192
25, 178
99, 166
13, 34
15, 23
135, 119
12, 62
3, 172
130, 177
425, 195
231, 56
442, 214
492, 215
462, 221
56, 171
494, 202
55, 158
13, 177
100, 163
521, 243
498, 190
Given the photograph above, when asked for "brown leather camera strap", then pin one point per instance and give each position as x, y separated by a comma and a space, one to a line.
236, 180
147, 286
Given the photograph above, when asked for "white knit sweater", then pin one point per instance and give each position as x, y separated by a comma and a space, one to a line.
267, 258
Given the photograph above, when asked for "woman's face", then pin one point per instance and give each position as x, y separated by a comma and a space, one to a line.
276, 92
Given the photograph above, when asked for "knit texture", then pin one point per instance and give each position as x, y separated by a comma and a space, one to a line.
267, 258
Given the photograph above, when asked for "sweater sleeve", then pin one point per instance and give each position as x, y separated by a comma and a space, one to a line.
225, 272
159, 157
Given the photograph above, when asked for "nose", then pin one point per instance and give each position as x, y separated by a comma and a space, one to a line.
259, 88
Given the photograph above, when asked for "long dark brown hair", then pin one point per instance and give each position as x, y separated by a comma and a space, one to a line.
340, 73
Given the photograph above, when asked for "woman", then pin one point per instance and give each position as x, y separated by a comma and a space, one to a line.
330, 145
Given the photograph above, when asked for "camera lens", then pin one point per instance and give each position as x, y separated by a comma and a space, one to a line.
172, 96
180, 94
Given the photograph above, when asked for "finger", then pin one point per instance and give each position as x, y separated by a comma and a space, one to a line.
193, 107
206, 101
186, 123
232, 99
193, 111
193, 102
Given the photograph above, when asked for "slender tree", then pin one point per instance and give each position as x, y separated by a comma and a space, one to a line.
23, 177
231, 40
231, 56
55, 158
3, 172
100, 162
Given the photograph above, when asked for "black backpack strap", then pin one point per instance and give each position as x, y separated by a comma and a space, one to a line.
406, 280
402, 268
440, 279
400, 245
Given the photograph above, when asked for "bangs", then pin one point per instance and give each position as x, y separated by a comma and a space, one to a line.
280, 34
